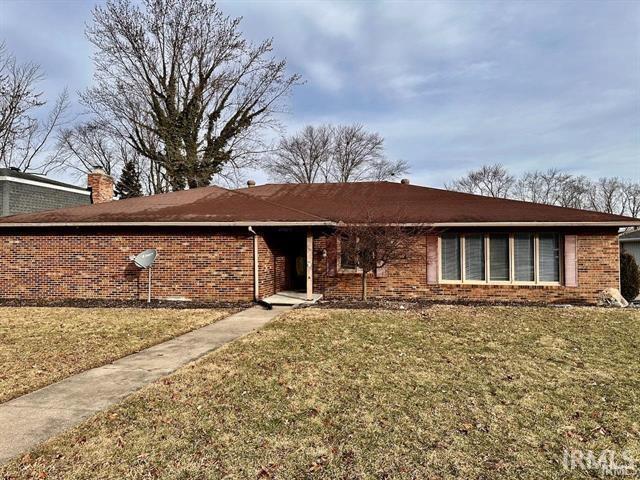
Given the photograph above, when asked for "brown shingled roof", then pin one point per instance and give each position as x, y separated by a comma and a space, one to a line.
318, 204
199, 205
386, 201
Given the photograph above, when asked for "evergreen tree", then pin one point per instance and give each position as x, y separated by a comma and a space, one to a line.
128, 185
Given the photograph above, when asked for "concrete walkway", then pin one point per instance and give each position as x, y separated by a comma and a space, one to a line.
291, 298
31, 419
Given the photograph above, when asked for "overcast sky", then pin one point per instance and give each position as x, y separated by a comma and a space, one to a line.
450, 85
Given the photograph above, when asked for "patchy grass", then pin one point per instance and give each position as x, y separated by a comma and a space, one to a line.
450, 392
39, 346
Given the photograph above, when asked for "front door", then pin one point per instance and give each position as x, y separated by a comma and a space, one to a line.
298, 272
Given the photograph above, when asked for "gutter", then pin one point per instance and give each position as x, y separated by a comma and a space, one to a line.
53, 186
318, 224
540, 224
166, 224
503, 224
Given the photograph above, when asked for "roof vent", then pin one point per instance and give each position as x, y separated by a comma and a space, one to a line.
405, 181
251, 183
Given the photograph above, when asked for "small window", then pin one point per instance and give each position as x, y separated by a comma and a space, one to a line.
474, 266
549, 250
450, 247
348, 254
499, 258
524, 246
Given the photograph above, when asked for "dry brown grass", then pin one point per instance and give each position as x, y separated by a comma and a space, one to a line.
39, 346
451, 392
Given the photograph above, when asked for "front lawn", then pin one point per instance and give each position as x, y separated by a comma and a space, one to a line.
453, 392
39, 346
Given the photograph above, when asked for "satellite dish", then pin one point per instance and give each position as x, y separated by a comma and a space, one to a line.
145, 259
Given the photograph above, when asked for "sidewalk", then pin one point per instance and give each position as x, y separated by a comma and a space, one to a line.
35, 417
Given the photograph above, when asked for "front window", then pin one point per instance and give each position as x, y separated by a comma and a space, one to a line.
474, 264
499, 270
549, 248
451, 269
522, 257
348, 254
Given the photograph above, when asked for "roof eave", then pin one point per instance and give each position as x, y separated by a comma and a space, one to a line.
317, 223
506, 224
616, 223
167, 224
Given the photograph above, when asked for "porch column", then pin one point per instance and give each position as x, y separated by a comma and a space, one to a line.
256, 270
309, 265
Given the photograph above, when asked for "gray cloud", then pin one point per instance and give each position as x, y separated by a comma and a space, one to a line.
451, 85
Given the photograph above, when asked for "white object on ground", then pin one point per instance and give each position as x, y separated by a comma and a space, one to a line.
611, 297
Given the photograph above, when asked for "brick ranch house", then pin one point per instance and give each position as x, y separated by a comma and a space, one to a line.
219, 244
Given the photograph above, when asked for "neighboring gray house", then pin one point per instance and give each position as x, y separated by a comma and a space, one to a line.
630, 242
25, 193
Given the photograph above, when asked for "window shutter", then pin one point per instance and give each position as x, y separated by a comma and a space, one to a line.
432, 259
474, 257
381, 272
524, 257
571, 260
332, 255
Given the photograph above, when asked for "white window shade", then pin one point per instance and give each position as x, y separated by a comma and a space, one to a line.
474, 265
523, 245
450, 248
499, 258
506, 258
549, 251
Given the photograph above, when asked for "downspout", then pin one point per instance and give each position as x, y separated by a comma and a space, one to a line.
256, 284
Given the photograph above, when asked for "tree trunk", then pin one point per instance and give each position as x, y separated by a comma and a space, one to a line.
364, 286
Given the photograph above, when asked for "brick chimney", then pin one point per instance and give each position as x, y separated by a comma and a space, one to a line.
101, 186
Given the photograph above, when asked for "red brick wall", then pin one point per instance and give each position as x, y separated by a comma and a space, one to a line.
598, 268
210, 264
198, 264
101, 186
266, 268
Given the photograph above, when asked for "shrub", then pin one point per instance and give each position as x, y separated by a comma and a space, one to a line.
629, 276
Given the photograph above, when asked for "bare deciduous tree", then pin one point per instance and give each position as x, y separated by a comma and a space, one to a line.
302, 158
572, 193
489, 180
386, 169
541, 186
554, 187
177, 79
24, 138
354, 152
372, 247
605, 195
94, 144
631, 198
327, 153
85, 146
